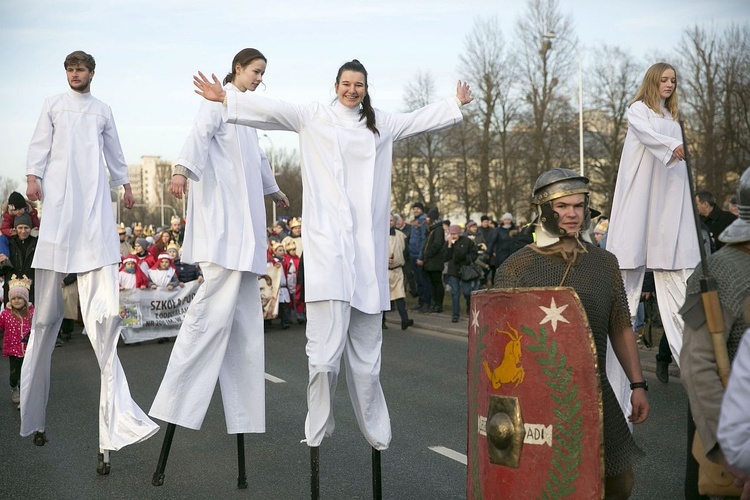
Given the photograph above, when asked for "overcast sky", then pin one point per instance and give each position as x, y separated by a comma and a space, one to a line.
146, 52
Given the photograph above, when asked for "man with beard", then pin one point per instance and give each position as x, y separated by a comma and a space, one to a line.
74, 157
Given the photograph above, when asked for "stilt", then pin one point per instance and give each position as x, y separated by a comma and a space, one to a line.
242, 477
102, 466
377, 486
158, 478
314, 472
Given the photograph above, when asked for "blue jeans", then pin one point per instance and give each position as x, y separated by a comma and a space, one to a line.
423, 283
459, 288
4, 246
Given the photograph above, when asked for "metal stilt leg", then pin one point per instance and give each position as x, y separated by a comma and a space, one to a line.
242, 477
158, 478
377, 486
314, 472
102, 466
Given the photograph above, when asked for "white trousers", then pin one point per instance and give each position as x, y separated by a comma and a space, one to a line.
220, 339
670, 295
121, 421
334, 328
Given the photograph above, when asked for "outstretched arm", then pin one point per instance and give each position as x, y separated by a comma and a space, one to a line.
211, 91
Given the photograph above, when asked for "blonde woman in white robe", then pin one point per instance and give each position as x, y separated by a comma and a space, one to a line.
346, 153
221, 338
652, 226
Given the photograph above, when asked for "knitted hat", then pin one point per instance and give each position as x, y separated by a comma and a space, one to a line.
418, 205
433, 214
24, 219
16, 201
507, 215
19, 287
143, 242
470, 223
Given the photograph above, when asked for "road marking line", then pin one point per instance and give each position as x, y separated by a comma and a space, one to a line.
275, 380
447, 452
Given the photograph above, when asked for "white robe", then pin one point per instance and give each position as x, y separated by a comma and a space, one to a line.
733, 433
225, 211
652, 221
652, 225
346, 179
74, 136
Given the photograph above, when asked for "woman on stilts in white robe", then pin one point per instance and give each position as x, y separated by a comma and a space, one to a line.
346, 178
66, 170
652, 225
222, 335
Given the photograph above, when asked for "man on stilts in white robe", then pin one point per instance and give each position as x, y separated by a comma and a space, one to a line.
222, 335
652, 225
346, 153
74, 136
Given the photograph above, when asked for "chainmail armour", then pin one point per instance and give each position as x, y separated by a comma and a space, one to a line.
731, 268
594, 274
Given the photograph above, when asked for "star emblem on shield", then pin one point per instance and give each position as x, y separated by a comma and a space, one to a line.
553, 314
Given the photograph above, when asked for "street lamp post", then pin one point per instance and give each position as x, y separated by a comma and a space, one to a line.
550, 36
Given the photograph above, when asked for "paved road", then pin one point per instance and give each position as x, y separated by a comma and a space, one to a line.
424, 373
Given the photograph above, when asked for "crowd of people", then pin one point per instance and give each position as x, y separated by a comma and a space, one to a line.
350, 273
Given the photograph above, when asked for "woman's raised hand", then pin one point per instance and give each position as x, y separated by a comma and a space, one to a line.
211, 91
463, 92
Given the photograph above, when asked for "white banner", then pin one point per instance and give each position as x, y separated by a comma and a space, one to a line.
154, 314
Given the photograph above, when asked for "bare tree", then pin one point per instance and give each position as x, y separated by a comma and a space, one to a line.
735, 78
425, 152
7, 186
616, 79
542, 70
699, 49
491, 71
286, 165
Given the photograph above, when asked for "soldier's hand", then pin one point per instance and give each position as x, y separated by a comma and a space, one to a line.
639, 400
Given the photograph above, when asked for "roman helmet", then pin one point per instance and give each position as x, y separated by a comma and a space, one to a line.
739, 230
554, 184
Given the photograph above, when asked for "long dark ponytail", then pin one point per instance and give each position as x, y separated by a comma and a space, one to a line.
243, 58
367, 110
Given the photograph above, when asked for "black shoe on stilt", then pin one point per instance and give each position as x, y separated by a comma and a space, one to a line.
158, 478
242, 477
377, 484
315, 472
40, 437
102, 463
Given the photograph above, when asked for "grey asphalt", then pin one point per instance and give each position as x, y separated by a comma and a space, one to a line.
424, 379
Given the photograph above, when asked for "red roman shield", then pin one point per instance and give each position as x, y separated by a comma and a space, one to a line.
535, 410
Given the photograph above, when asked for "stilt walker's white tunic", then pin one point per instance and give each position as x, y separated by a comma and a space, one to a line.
74, 136
222, 335
346, 180
652, 226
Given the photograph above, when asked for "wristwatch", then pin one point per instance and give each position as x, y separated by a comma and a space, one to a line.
639, 385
